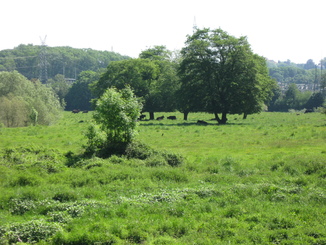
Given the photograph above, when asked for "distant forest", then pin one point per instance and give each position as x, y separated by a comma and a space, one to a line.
66, 61
70, 62
71, 71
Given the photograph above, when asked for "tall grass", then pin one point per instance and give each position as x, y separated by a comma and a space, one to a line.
256, 181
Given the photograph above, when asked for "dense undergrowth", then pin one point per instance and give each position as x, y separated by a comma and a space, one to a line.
259, 181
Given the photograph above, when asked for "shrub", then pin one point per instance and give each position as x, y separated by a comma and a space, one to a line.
139, 150
59, 217
25, 180
65, 196
116, 116
155, 161
30, 232
118, 160
20, 206
81, 237
136, 236
173, 159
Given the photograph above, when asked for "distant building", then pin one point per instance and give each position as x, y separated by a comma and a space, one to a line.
302, 87
70, 80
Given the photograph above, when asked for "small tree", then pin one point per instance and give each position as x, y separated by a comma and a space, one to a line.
116, 116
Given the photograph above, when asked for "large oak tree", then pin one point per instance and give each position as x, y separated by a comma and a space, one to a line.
227, 77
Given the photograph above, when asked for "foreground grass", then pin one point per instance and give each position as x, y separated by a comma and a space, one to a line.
255, 181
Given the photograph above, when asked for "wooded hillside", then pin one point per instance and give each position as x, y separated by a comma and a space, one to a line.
60, 60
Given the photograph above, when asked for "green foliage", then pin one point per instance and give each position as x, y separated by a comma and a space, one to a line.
156, 53
24, 102
116, 115
139, 74
226, 75
296, 100
139, 150
153, 77
59, 86
96, 139
67, 60
316, 100
29, 232
79, 95
265, 175
173, 159
292, 74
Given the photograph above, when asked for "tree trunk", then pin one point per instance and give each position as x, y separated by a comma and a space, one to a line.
185, 116
223, 120
151, 115
245, 116
216, 116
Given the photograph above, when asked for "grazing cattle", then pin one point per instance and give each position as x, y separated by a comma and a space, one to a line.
172, 117
309, 111
160, 118
142, 117
201, 122
75, 111
85, 111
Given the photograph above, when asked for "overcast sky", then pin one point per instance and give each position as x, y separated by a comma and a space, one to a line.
276, 29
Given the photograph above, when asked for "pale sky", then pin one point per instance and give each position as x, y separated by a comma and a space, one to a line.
276, 29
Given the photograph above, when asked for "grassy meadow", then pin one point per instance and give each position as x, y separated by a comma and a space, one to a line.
256, 181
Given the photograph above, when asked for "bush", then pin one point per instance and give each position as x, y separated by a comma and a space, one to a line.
115, 116
29, 232
136, 149
20, 206
25, 180
156, 161
83, 238
173, 159
65, 196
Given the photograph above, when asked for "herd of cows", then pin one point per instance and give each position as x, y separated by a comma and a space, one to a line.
142, 117
158, 118
77, 111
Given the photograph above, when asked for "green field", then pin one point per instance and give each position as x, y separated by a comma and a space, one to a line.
256, 181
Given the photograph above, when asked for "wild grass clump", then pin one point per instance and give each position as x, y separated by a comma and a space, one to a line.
139, 150
29, 232
153, 157
84, 237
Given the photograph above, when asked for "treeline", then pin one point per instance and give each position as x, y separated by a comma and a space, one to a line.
214, 72
307, 76
66, 61
294, 99
24, 102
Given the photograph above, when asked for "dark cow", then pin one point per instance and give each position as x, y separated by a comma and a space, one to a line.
75, 111
142, 117
309, 111
201, 122
160, 118
172, 117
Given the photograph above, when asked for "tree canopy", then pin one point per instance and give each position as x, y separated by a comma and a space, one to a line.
24, 102
79, 95
226, 75
67, 61
152, 78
